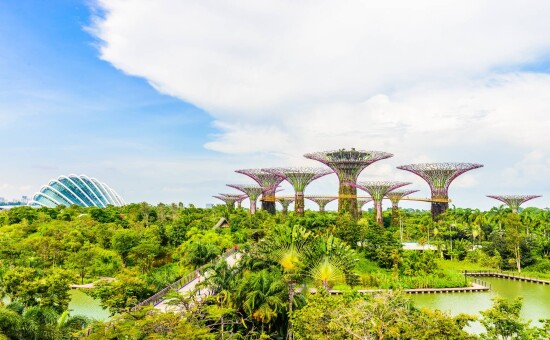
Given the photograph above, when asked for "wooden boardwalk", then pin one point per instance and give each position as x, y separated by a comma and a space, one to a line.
475, 287
517, 277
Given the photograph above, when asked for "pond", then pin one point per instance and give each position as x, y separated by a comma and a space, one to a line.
86, 305
536, 300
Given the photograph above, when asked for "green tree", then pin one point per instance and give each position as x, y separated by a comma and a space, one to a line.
263, 296
502, 320
33, 287
123, 293
82, 261
515, 236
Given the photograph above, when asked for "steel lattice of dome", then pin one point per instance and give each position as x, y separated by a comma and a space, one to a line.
74, 189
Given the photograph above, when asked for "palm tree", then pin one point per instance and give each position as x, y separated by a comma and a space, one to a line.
36, 322
221, 277
333, 260
287, 247
263, 296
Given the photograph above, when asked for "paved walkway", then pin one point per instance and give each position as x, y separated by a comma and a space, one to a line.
190, 287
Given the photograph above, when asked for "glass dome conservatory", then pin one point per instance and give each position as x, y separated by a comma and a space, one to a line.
73, 189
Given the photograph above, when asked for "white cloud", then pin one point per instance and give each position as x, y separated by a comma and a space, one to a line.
428, 81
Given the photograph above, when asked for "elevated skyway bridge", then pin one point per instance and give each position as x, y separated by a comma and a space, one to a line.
406, 198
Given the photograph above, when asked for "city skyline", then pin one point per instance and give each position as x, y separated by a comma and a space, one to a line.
163, 95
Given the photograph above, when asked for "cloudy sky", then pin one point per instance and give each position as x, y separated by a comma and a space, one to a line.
164, 99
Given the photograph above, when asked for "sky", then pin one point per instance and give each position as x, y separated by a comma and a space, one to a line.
164, 99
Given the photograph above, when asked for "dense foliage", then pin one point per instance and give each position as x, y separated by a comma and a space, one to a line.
131, 252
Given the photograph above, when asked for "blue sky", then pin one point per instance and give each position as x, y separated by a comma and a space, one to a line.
62, 106
247, 85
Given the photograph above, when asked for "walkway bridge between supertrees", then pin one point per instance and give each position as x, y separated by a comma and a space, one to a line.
439, 200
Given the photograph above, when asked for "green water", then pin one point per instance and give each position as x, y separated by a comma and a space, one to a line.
536, 300
86, 305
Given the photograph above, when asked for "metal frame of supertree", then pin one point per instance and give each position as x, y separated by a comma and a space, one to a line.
252, 191
321, 201
361, 201
514, 201
395, 196
229, 199
348, 164
268, 181
377, 190
439, 177
285, 203
299, 178
240, 200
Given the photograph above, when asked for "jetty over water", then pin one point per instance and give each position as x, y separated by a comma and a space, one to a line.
511, 276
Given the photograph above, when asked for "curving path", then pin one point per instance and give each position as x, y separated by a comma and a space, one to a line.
190, 287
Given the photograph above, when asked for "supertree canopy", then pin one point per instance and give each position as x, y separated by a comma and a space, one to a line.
285, 202
514, 201
266, 180
252, 191
348, 164
377, 190
322, 201
439, 176
229, 199
299, 178
395, 196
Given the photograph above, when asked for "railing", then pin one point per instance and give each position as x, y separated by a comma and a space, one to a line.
159, 296
482, 282
506, 275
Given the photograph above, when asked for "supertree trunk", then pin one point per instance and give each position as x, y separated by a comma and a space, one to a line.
378, 208
252, 206
268, 202
299, 203
347, 200
285, 210
394, 214
439, 208
269, 207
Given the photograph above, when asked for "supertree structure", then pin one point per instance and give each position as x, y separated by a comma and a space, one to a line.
322, 201
252, 191
299, 178
285, 202
361, 201
240, 200
266, 180
377, 190
514, 201
348, 164
395, 196
229, 199
439, 176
